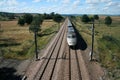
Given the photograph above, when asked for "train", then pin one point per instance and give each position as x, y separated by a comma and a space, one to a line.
69, 23
71, 35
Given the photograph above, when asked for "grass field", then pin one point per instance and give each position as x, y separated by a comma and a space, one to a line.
18, 43
106, 45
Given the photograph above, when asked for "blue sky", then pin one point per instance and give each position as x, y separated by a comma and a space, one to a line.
61, 6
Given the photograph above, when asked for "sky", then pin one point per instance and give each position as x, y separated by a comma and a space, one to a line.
61, 6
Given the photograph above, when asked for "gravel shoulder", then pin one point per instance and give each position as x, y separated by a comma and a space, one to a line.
96, 72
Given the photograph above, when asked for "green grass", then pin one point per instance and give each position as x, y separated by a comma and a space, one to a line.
109, 46
3, 18
107, 42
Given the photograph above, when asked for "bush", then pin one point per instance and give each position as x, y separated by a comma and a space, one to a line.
96, 17
28, 18
85, 18
21, 21
108, 20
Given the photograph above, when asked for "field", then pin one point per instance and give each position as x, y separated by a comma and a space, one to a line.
17, 42
106, 45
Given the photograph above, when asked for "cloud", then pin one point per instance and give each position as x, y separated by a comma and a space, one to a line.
105, 8
36, 0
8, 3
76, 3
66, 1
11, 2
9, 9
1, 3
97, 1
92, 1
113, 4
105, 0
92, 8
12, 6
63, 6
52, 0
119, 5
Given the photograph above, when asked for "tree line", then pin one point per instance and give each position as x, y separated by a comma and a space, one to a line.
28, 18
85, 18
8, 15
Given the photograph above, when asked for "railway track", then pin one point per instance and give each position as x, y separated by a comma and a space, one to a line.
71, 67
50, 61
60, 61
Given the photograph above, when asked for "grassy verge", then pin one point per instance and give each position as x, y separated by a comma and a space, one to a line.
106, 45
17, 42
43, 39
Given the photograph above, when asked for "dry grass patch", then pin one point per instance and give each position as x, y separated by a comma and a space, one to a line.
17, 42
47, 23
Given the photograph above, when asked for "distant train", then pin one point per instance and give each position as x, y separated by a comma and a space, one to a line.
71, 35
69, 23
70, 27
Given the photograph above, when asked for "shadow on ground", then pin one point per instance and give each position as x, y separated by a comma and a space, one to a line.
81, 44
9, 44
8, 74
5, 42
45, 34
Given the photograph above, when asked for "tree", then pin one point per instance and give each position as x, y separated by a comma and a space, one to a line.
85, 18
58, 18
47, 16
108, 20
73, 17
52, 14
21, 21
28, 18
41, 16
96, 17
44, 15
11, 16
91, 19
35, 27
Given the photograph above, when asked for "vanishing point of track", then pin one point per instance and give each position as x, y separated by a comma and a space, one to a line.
60, 62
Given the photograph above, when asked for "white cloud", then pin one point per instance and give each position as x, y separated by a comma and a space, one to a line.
12, 6
1, 3
76, 3
91, 8
105, 8
66, 1
92, 1
8, 3
23, 3
9, 9
63, 6
97, 1
52, 0
105, 0
112, 4
119, 5
12, 2
36, 0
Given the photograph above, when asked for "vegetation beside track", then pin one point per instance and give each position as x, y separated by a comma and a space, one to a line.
106, 45
18, 43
